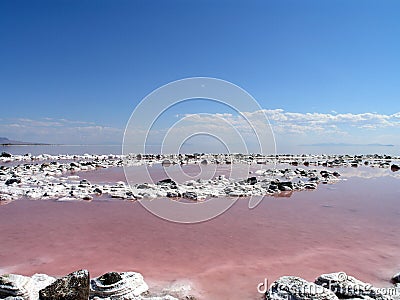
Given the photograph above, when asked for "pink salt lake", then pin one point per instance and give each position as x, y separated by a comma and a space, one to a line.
350, 226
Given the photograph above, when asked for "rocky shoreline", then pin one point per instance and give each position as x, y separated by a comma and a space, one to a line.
54, 177
333, 286
79, 286
131, 286
57, 180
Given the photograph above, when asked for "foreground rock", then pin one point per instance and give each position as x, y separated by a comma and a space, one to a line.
18, 287
348, 287
77, 286
74, 286
296, 288
396, 278
113, 285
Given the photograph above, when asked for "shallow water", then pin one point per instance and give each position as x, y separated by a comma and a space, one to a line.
350, 226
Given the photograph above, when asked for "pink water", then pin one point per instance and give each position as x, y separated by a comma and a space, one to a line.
351, 226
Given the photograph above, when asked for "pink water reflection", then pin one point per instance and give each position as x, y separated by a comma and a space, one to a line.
350, 226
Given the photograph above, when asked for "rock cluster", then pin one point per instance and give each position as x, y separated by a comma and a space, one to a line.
131, 286
54, 176
382, 161
56, 180
331, 286
79, 286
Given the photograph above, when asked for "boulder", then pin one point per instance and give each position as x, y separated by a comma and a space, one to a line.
285, 186
296, 288
5, 154
12, 285
12, 181
345, 286
251, 180
116, 286
396, 278
15, 287
74, 286
395, 168
190, 195
167, 181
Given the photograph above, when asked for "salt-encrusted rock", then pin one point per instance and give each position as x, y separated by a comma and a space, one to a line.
296, 288
166, 182
285, 186
74, 286
166, 162
345, 286
14, 286
190, 195
118, 286
396, 278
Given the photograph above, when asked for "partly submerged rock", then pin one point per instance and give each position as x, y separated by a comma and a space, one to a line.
118, 286
395, 168
296, 288
74, 286
15, 287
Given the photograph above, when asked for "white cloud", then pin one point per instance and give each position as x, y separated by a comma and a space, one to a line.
59, 131
288, 127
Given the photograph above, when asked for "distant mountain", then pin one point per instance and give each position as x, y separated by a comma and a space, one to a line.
6, 142
348, 145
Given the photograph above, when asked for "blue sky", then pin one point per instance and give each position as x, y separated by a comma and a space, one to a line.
87, 64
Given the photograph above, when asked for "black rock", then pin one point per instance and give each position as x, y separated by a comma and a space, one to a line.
5, 154
13, 180
396, 278
395, 168
173, 194
324, 174
273, 187
110, 278
84, 182
97, 191
283, 186
252, 180
166, 181
74, 286
190, 195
